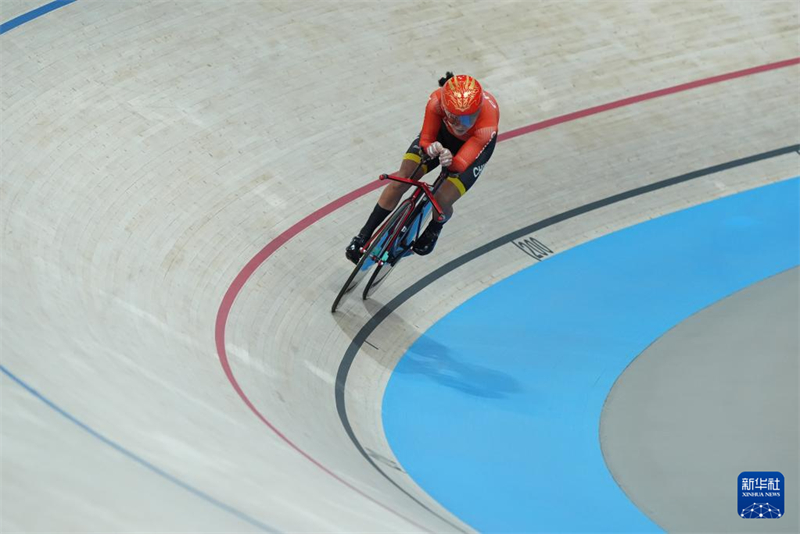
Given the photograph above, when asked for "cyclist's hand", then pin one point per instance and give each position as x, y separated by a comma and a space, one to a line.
445, 156
434, 149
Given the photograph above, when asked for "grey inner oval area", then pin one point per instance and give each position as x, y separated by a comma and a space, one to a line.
715, 396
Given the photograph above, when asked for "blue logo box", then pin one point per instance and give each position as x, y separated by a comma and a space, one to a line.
761, 495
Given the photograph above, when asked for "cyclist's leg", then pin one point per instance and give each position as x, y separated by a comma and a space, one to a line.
449, 192
390, 197
394, 191
457, 185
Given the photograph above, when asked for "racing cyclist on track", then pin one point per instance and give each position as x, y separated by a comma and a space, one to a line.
470, 117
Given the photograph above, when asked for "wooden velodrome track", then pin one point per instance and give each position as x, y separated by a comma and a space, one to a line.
170, 361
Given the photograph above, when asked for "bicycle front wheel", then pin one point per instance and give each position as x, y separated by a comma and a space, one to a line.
398, 230
376, 252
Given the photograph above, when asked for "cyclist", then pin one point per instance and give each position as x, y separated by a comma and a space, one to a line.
470, 117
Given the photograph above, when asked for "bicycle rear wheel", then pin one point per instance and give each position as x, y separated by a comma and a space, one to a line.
375, 254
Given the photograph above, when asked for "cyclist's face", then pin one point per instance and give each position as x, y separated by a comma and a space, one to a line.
461, 123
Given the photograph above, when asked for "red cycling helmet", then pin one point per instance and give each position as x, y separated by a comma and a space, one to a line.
462, 97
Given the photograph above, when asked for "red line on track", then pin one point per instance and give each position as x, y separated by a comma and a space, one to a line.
262, 256
646, 96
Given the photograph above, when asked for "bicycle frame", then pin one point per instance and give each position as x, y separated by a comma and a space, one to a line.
396, 235
422, 189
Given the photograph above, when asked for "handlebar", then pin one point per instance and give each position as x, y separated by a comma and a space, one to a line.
426, 190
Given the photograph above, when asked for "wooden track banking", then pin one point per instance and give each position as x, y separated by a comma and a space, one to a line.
151, 150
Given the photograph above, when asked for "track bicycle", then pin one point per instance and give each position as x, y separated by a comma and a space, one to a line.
394, 238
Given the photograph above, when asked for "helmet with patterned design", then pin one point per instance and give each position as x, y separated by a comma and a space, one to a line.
462, 97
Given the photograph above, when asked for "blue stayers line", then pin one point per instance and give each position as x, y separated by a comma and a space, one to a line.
30, 15
138, 459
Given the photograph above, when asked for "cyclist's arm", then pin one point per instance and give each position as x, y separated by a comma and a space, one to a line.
468, 153
431, 123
